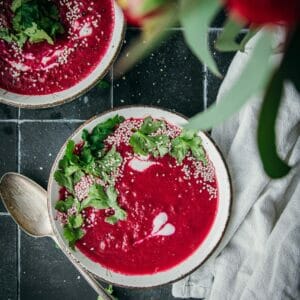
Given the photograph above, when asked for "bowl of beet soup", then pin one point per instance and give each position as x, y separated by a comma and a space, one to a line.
42, 75
138, 200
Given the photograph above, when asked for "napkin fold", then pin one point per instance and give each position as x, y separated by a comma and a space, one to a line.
259, 255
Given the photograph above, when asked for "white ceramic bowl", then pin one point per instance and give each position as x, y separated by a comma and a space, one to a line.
204, 250
45, 101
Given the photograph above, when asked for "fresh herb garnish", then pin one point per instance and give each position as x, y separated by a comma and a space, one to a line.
97, 198
101, 199
103, 84
110, 291
188, 141
109, 164
69, 168
73, 234
64, 205
144, 142
92, 159
34, 21
120, 214
94, 140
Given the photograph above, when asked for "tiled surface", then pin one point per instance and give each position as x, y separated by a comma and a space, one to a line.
7, 112
36, 162
171, 77
8, 151
223, 61
47, 274
8, 259
93, 102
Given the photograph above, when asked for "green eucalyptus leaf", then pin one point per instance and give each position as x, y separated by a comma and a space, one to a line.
154, 32
250, 34
195, 17
226, 40
150, 5
255, 75
266, 136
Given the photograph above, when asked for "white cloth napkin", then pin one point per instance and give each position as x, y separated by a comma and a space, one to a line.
259, 256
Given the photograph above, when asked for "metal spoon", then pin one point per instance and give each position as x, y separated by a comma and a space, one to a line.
26, 201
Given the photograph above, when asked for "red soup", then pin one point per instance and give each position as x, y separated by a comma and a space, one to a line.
170, 207
40, 69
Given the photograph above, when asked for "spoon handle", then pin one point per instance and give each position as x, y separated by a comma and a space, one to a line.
98, 288
92, 281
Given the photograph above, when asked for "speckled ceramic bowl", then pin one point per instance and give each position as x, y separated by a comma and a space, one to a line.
45, 101
204, 250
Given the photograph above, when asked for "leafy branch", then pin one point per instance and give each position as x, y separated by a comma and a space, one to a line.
195, 17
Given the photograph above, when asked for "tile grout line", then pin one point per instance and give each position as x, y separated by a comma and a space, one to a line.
42, 121
205, 87
19, 232
4, 214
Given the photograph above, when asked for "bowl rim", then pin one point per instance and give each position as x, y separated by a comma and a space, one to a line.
51, 179
116, 53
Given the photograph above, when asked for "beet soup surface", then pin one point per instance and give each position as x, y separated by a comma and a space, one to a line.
41, 69
170, 209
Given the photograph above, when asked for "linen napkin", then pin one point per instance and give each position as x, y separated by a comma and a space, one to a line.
259, 256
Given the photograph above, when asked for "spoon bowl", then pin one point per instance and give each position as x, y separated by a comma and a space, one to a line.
25, 200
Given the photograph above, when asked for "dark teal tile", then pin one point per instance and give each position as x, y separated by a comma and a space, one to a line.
170, 77
223, 60
40, 143
8, 259
91, 103
8, 149
8, 112
219, 19
47, 274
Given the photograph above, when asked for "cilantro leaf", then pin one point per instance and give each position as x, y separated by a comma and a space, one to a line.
162, 143
34, 21
141, 144
101, 199
110, 291
70, 169
179, 149
64, 205
72, 235
95, 139
119, 214
108, 165
103, 84
150, 126
72, 230
64, 180
77, 176
97, 198
70, 149
144, 143
188, 141
36, 35
5, 35
76, 221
